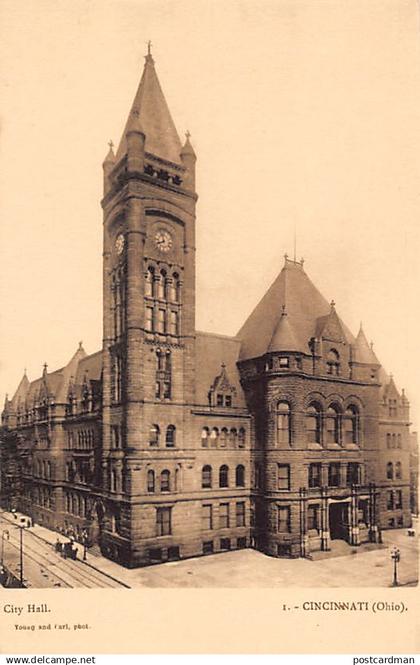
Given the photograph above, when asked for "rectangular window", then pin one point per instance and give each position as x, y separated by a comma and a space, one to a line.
173, 553
225, 543
163, 521
207, 517
166, 390
155, 555
224, 515
353, 473
398, 499
284, 362
314, 479
173, 319
149, 318
334, 474
283, 519
208, 547
241, 543
240, 513
161, 321
283, 476
390, 500
313, 517
115, 436
228, 400
219, 400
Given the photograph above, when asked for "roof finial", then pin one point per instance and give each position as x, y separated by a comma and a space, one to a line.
283, 310
149, 47
286, 257
80, 345
188, 134
332, 303
302, 261
111, 144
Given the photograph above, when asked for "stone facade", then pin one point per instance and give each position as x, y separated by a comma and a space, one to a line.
171, 443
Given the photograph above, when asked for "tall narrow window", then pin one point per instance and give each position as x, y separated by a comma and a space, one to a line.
333, 425
214, 437
150, 481
163, 521
241, 438
161, 326
223, 515
240, 513
205, 437
388, 441
154, 435
390, 471
283, 423
161, 284
398, 499
224, 476
314, 479
283, 523
207, 517
170, 436
173, 323
399, 441
149, 318
240, 476
148, 282
313, 424
398, 471
206, 477
223, 438
390, 500
165, 477
283, 476
313, 517
334, 474
351, 425
353, 473
233, 437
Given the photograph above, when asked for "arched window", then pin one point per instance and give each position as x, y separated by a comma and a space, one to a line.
174, 288
206, 477
388, 441
114, 480
398, 471
205, 437
399, 441
214, 437
313, 423
173, 323
258, 476
154, 435
150, 481
333, 362
390, 471
148, 282
48, 469
161, 285
393, 441
241, 438
224, 476
170, 436
351, 425
333, 425
240, 476
165, 477
283, 423
223, 437
233, 437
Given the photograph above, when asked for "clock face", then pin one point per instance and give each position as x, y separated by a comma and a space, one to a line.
119, 243
163, 241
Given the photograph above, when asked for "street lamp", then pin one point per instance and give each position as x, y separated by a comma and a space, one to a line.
4, 535
85, 542
395, 556
21, 528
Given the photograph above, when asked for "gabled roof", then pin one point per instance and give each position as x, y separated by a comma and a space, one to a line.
305, 307
151, 110
211, 351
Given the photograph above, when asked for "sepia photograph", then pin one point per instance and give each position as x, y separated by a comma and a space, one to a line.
209, 296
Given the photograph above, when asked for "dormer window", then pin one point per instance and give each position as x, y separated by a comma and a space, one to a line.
333, 363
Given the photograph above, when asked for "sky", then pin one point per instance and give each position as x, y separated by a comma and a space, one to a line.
305, 119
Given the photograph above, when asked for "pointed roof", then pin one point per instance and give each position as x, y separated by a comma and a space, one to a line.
110, 157
284, 338
151, 110
364, 351
21, 391
187, 148
305, 306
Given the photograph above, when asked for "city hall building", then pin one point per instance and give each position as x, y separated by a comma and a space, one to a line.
170, 442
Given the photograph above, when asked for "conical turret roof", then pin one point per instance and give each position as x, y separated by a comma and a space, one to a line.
364, 352
150, 109
284, 338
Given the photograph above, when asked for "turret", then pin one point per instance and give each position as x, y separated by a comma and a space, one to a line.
135, 138
108, 165
188, 158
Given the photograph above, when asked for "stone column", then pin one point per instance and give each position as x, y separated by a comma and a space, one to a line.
325, 532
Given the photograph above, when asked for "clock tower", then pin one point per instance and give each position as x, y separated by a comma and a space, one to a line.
148, 320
